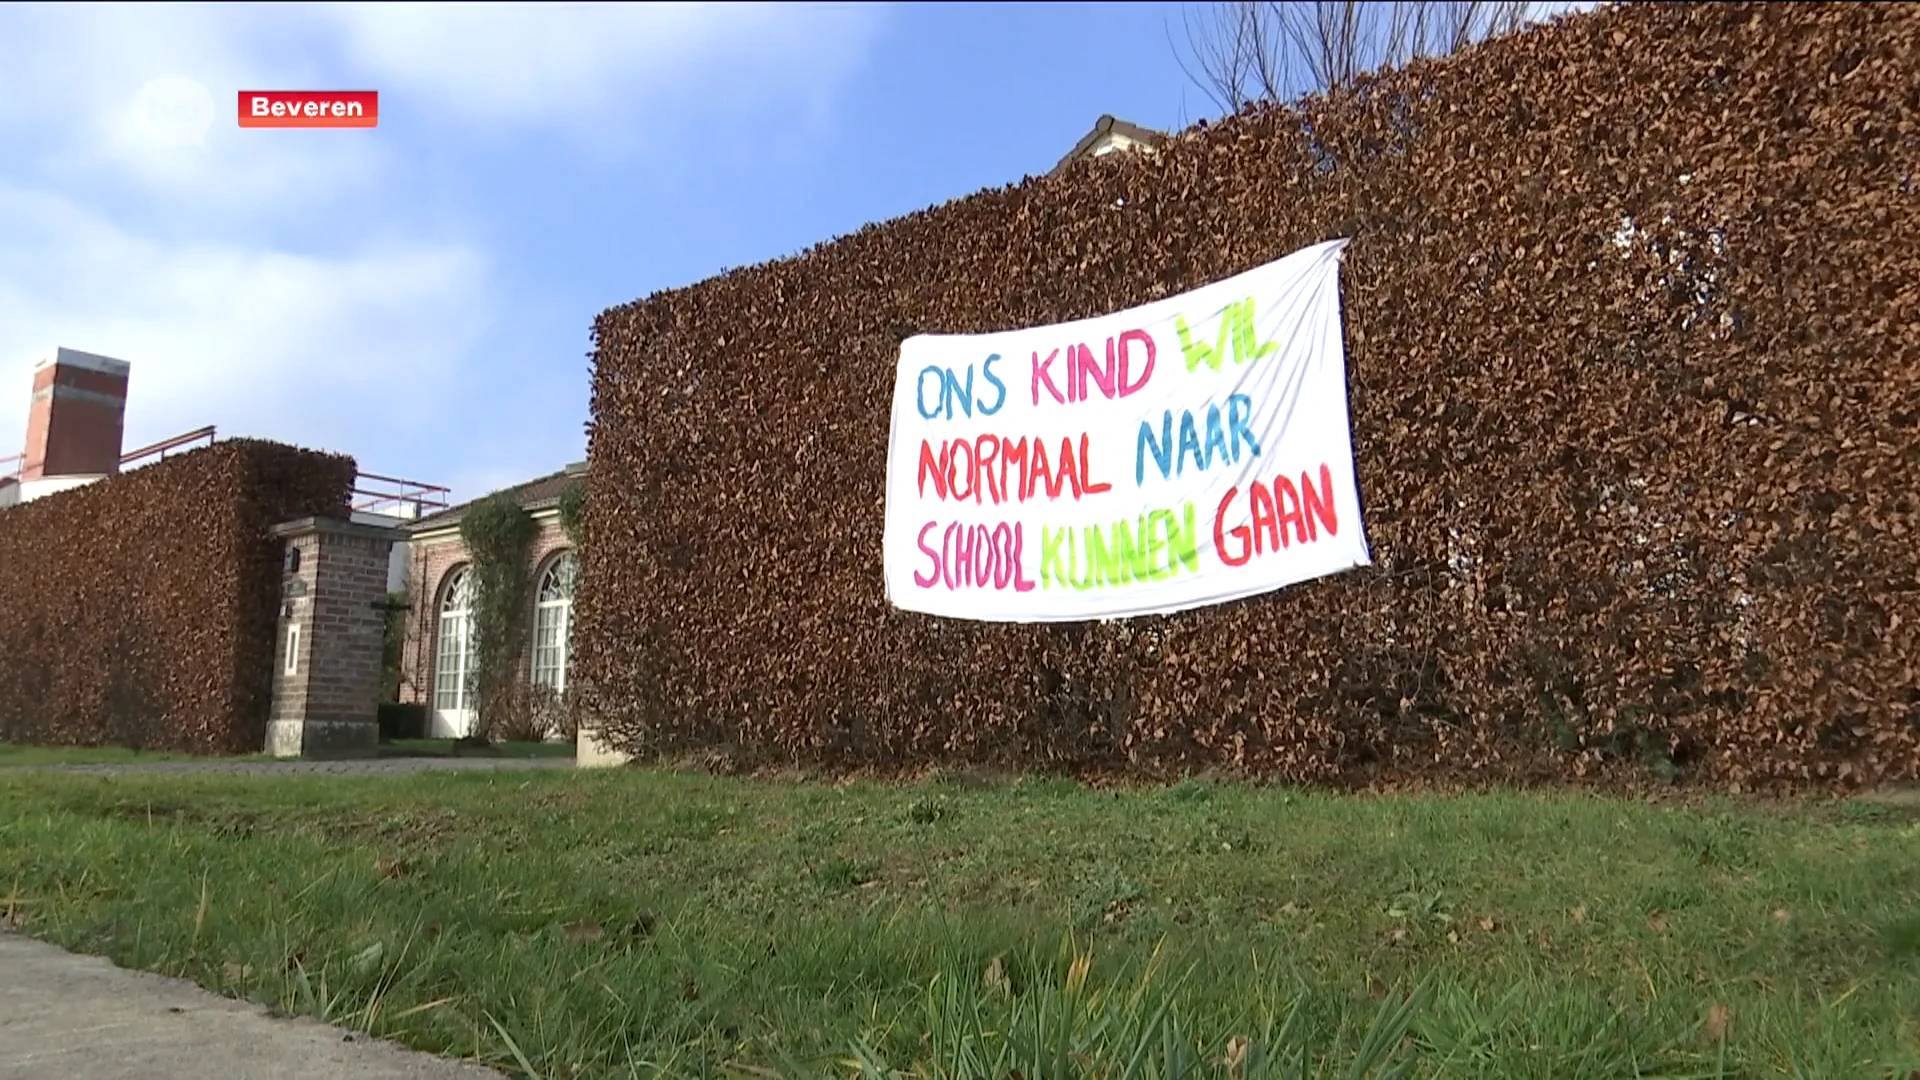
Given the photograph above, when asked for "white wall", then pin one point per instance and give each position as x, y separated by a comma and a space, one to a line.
391, 518
47, 485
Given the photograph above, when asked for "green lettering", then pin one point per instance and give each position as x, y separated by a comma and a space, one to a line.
1129, 556
1081, 579
1099, 560
1183, 542
1245, 346
1151, 547
1199, 352
1155, 536
1236, 326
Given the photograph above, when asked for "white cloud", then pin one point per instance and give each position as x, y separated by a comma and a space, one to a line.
276, 282
584, 66
108, 101
296, 348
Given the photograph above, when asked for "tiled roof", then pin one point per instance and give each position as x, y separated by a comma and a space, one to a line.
542, 493
1109, 125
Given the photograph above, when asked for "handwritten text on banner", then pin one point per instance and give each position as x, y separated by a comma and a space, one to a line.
1189, 452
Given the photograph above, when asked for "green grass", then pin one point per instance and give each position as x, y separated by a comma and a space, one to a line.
444, 748
11, 754
634, 922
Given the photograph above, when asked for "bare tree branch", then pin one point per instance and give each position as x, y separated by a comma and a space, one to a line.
1247, 51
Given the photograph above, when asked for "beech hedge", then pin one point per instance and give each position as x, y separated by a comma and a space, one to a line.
1633, 323
140, 610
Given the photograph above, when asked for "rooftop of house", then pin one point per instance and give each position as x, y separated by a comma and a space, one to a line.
1108, 135
540, 493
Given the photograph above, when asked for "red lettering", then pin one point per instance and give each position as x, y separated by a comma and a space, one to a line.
1288, 501
1005, 469
937, 468
1273, 510
984, 451
1238, 532
958, 470
1266, 526
1085, 471
1013, 459
1038, 472
1069, 472
1319, 504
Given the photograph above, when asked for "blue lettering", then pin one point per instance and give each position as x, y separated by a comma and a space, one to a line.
1161, 449
953, 391
986, 369
1228, 438
1189, 444
1239, 413
1216, 436
920, 392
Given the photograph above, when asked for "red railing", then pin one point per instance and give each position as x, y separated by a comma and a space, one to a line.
374, 493
162, 447
12, 467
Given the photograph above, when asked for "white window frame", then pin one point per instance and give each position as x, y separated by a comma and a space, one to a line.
553, 621
453, 644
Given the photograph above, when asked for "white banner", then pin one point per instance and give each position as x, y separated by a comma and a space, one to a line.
1192, 451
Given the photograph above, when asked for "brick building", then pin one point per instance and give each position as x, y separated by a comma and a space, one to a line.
437, 657
329, 659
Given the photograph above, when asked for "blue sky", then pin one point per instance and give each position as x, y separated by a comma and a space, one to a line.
419, 295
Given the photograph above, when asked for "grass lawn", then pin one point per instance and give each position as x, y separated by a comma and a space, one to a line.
634, 922
11, 754
118, 755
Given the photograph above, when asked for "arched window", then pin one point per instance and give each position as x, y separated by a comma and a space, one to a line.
452, 677
553, 620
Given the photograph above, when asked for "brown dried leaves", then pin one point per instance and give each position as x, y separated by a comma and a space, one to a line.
1633, 368
140, 610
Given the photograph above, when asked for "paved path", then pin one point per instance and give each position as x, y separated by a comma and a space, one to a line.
68, 1017
395, 766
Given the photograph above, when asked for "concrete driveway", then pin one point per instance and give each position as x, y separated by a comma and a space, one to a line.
69, 1017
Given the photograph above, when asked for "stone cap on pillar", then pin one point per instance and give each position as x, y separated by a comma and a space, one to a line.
336, 527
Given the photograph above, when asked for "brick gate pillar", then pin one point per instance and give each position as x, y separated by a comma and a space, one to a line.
327, 665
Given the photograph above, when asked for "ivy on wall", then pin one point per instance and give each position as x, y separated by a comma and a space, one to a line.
573, 507
393, 639
499, 535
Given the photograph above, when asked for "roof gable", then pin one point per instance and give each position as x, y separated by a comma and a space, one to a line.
1107, 131
540, 493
